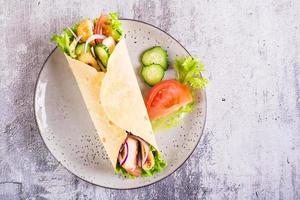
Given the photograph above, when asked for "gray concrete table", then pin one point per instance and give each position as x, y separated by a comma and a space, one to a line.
251, 145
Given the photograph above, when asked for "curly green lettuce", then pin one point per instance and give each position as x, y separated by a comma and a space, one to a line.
188, 71
159, 165
172, 120
63, 41
120, 170
116, 25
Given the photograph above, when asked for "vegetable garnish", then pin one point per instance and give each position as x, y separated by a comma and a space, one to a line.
188, 73
155, 55
92, 38
172, 120
138, 158
167, 97
152, 74
159, 165
79, 41
75, 36
99, 26
63, 42
123, 154
116, 25
154, 64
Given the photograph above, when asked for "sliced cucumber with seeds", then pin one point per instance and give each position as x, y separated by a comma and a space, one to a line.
117, 35
102, 52
152, 74
155, 55
80, 49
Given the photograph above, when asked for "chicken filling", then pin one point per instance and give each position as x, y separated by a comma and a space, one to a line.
135, 155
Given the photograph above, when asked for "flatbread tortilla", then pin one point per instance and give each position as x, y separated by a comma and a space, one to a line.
121, 96
113, 100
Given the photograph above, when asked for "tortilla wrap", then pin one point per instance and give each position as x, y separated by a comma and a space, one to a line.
113, 100
121, 96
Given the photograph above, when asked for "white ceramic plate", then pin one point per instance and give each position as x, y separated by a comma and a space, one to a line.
68, 132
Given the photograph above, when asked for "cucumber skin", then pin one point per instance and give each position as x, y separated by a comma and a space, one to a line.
104, 48
147, 82
165, 67
116, 35
80, 49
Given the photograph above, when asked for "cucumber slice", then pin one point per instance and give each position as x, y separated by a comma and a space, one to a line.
155, 55
152, 74
116, 35
102, 52
80, 49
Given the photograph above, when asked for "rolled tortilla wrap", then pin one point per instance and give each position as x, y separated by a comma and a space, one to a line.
114, 100
121, 97
89, 82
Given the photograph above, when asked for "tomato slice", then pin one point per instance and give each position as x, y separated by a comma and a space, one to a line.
166, 97
102, 27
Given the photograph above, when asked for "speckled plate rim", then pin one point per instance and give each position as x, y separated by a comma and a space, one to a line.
163, 178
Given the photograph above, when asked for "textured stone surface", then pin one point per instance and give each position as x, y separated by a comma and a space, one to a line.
251, 145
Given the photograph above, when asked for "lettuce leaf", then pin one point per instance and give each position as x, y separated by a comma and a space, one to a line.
189, 72
120, 170
159, 165
116, 25
172, 120
63, 41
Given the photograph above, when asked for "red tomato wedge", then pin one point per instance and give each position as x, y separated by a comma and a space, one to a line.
102, 27
166, 97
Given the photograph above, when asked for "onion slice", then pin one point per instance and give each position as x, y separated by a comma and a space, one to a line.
93, 52
78, 38
123, 154
144, 149
93, 37
72, 32
74, 44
